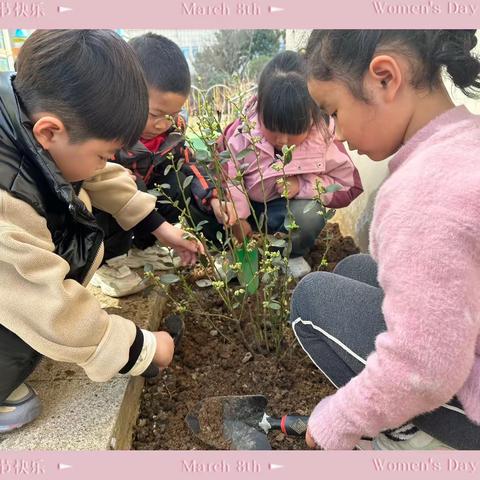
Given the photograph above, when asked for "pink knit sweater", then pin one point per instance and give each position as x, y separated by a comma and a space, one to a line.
425, 237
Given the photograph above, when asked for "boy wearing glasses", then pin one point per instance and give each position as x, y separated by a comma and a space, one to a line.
168, 80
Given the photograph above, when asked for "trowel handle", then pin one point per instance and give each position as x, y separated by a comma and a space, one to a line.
293, 425
151, 372
290, 424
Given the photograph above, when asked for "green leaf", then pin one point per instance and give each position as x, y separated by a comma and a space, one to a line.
334, 187
155, 191
220, 237
169, 278
201, 156
310, 206
187, 182
329, 214
274, 306
279, 261
148, 268
167, 169
290, 224
225, 155
266, 278
287, 154
242, 154
261, 221
200, 225
165, 186
278, 242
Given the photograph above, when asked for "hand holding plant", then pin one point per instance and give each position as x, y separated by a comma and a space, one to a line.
182, 242
242, 229
291, 184
224, 212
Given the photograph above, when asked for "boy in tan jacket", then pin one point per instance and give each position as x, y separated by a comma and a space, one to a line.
62, 118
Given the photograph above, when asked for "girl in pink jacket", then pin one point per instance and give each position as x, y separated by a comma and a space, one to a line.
398, 332
284, 114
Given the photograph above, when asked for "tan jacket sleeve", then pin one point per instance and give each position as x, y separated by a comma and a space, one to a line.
59, 318
113, 191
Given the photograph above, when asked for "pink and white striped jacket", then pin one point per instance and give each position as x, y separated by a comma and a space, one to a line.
315, 159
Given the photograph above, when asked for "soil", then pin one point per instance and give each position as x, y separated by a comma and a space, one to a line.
210, 415
212, 361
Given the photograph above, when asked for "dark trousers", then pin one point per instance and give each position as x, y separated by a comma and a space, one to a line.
310, 224
336, 318
17, 361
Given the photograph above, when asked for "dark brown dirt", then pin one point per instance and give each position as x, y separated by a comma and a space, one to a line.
210, 417
211, 364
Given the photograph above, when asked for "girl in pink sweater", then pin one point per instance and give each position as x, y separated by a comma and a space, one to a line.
398, 332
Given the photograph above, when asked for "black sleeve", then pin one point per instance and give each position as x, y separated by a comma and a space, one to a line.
150, 223
202, 186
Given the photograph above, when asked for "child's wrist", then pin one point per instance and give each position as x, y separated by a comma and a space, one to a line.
212, 197
164, 349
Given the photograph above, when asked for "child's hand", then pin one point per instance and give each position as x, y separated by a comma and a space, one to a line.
224, 212
187, 249
310, 442
242, 230
131, 174
165, 347
292, 184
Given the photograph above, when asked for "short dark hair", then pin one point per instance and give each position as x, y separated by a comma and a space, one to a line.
345, 55
164, 64
91, 79
284, 104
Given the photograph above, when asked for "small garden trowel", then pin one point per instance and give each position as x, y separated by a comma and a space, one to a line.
239, 422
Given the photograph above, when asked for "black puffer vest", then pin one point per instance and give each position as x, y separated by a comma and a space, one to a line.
29, 173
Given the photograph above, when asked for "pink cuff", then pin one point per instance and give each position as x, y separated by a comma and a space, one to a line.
330, 431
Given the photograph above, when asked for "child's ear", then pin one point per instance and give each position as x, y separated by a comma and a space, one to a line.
48, 130
386, 74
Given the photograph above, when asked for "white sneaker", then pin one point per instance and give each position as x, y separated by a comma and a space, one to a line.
157, 249
117, 280
419, 441
298, 267
160, 258
21, 407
